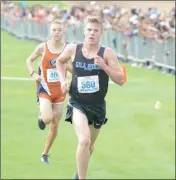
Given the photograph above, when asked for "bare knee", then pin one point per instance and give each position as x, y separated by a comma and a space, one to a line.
57, 117
47, 119
57, 112
85, 142
54, 127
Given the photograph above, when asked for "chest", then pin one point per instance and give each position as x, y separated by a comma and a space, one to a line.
86, 67
49, 60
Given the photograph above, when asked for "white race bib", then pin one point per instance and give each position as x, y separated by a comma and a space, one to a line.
52, 75
88, 84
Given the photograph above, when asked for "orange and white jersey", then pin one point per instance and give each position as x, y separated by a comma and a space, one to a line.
50, 86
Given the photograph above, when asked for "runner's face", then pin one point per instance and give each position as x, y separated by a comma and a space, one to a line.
56, 31
93, 33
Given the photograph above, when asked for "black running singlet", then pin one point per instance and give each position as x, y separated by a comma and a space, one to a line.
89, 83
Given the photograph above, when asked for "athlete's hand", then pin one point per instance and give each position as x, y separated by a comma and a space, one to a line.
37, 77
64, 87
99, 61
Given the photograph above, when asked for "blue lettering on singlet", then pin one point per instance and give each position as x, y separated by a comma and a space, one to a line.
87, 67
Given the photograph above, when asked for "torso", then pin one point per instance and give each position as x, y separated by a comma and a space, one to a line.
48, 66
89, 83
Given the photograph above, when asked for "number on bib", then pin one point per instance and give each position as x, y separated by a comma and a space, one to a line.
52, 75
88, 84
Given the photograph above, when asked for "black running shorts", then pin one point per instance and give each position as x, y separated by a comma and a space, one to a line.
96, 114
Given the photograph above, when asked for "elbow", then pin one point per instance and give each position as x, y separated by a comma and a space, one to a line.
59, 61
27, 62
121, 80
121, 83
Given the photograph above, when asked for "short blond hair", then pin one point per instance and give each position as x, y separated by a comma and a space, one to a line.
93, 19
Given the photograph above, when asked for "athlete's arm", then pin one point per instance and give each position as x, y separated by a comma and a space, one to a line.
69, 68
65, 56
29, 62
111, 66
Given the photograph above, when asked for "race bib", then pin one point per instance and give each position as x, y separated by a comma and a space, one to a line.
52, 75
88, 84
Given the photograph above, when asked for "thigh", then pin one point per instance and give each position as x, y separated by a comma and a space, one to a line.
57, 111
80, 124
45, 108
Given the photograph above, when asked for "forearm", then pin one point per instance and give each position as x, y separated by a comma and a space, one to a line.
29, 65
61, 69
116, 75
61, 66
34, 74
69, 68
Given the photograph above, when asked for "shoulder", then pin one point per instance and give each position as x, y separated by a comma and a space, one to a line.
40, 47
71, 48
109, 52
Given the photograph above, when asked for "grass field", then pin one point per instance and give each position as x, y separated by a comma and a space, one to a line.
137, 142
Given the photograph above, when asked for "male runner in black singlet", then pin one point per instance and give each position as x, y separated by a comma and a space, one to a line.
92, 67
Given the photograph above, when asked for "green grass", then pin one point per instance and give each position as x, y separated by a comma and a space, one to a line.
137, 142
47, 3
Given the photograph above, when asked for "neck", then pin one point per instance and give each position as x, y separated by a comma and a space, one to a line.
91, 47
57, 43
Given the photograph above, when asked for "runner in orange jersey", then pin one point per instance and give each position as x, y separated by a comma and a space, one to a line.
51, 97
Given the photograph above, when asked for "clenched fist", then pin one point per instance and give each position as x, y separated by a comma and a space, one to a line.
65, 87
99, 61
37, 77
